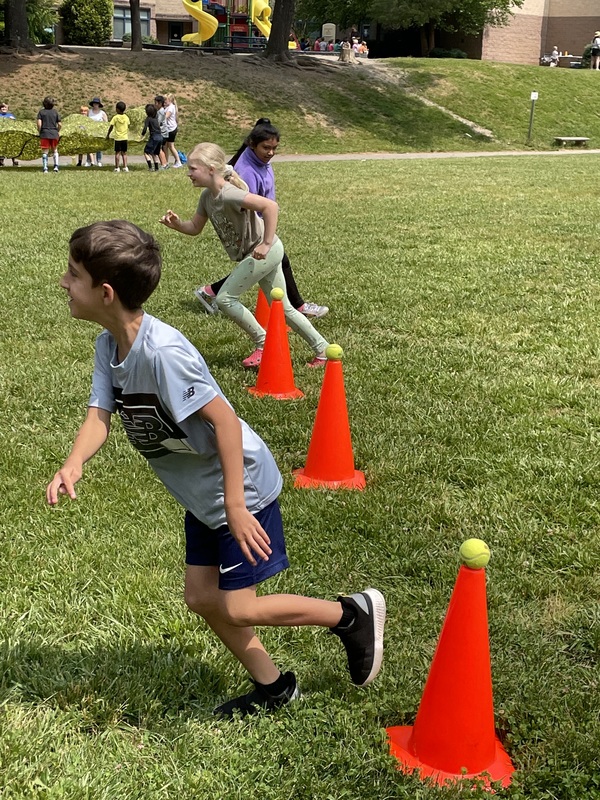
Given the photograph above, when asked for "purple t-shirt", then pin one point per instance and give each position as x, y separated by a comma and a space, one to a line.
258, 176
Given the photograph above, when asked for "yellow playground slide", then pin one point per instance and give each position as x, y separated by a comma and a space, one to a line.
261, 12
207, 24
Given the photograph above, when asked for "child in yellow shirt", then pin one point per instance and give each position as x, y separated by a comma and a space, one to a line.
120, 122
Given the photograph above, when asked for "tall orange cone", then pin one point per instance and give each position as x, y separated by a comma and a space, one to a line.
453, 736
275, 373
330, 461
262, 310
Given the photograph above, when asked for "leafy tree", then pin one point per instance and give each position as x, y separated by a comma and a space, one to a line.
87, 22
41, 15
468, 16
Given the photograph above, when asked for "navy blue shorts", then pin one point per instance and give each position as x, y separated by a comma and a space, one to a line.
205, 547
153, 146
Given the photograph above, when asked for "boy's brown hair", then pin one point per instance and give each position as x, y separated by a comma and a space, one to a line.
119, 253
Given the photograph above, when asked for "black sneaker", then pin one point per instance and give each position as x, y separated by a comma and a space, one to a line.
363, 638
259, 699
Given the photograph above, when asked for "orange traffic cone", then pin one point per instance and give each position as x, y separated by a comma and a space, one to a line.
262, 310
330, 461
453, 736
275, 373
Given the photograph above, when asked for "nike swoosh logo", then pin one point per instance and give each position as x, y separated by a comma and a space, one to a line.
223, 569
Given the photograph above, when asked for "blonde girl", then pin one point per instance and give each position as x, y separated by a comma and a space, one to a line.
245, 223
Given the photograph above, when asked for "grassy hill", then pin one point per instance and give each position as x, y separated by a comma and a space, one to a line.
321, 106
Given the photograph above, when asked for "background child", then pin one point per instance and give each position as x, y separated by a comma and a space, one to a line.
98, 115
245, 224
120, 122
171, 124
6, 114
211, 461
48, 125
153, 146
159, 104
252, 163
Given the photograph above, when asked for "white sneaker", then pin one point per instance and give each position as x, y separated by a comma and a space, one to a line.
56, 168
117, 169
88, 164
99, 164
125, 169
208, 303
313, 310
177, 166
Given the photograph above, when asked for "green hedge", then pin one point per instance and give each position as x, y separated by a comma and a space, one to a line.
87, 22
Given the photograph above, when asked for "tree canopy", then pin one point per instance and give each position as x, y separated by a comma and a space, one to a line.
468, 16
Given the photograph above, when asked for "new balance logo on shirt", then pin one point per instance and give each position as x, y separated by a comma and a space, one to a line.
187, 393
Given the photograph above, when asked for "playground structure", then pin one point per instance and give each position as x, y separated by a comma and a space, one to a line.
229, 21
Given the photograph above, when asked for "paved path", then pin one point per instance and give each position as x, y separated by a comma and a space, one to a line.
137, 159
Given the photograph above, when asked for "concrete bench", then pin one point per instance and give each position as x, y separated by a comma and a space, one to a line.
576, 141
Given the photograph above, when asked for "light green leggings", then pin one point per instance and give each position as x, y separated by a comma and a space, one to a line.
268, 274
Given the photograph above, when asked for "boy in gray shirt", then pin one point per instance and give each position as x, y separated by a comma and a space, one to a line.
215, 465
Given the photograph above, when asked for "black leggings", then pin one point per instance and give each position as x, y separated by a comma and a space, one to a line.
293, 294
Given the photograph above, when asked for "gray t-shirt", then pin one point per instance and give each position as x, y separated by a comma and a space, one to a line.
157, 390
239, 229
50, 119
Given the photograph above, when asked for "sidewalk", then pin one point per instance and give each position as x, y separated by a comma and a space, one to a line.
65, 161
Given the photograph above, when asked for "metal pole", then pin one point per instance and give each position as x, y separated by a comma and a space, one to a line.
534, 97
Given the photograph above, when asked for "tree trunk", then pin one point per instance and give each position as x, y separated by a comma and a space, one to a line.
427, 38
16, 31
283, 17
136, 25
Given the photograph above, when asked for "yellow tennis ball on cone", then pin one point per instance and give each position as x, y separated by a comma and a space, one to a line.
277, 293
334, 352
474, 553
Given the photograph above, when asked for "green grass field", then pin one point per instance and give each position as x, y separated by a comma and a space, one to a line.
466, 297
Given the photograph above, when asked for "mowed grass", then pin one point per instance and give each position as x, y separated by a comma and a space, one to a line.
498, 97
466, 297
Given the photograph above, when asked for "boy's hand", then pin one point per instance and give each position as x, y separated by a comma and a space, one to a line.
63, 483
170, 219
249, 534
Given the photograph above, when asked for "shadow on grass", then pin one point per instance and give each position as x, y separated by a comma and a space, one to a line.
133, 683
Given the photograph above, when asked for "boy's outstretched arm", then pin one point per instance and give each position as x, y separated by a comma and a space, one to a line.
244, 527
92, 435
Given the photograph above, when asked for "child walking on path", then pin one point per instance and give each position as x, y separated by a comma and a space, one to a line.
252, 163
120, 122
49, 125
245, 224
214, 464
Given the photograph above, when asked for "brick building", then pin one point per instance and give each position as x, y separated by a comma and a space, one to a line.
533, 31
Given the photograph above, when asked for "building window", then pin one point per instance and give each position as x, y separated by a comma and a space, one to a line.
122, 21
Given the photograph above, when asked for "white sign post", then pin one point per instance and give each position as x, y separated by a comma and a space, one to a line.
534, 97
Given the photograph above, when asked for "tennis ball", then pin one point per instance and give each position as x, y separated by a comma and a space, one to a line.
277, 294
474, 553
334, 352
